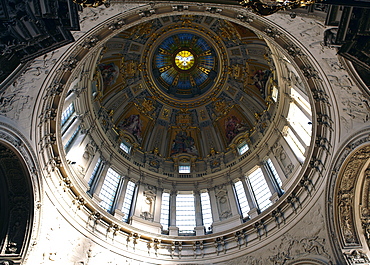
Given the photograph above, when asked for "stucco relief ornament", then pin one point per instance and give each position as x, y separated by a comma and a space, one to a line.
356, 257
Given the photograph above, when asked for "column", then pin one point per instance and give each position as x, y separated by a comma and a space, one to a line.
138, 199
157, 206
173, 230
91, 167
253, 212
120, 198
199, 229
214, 208
232, 199
97, 174
117, 197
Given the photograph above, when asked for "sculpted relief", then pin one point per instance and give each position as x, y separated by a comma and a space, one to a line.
303, 245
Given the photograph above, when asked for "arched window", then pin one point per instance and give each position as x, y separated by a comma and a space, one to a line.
185, 213
95, 171
67, 114
206, 210
271, 169
109, 189
260, 188
300, 123
165, 209
94, 176
298, 132
125, 147
294, 143
183, 169
242, 199
127, 203
71, 140
243, 148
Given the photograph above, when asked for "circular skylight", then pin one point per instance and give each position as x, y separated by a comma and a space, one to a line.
184, 65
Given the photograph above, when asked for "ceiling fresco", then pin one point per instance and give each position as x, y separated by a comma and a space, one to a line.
196, 83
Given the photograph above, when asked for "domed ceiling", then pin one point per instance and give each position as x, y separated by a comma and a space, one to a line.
184, 85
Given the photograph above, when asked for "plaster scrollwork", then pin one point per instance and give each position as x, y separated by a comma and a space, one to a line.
356, 257
292, 248
355, 110
16, 99
334, 64
345, 196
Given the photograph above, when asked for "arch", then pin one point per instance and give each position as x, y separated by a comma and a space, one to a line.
307, 262
55, 168
19, 197
347, 194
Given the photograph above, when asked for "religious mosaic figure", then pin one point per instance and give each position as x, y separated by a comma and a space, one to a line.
183, 143
233, 126
109, 73
260, 78
133, 125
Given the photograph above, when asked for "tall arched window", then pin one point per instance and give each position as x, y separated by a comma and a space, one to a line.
298, 132
72, 139
274, 175
67, 114
127, 203
242, 198
260, 188
109, 189
185, 213
165, 209
206, 210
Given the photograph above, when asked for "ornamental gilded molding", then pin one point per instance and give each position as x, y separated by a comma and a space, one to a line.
347, 181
